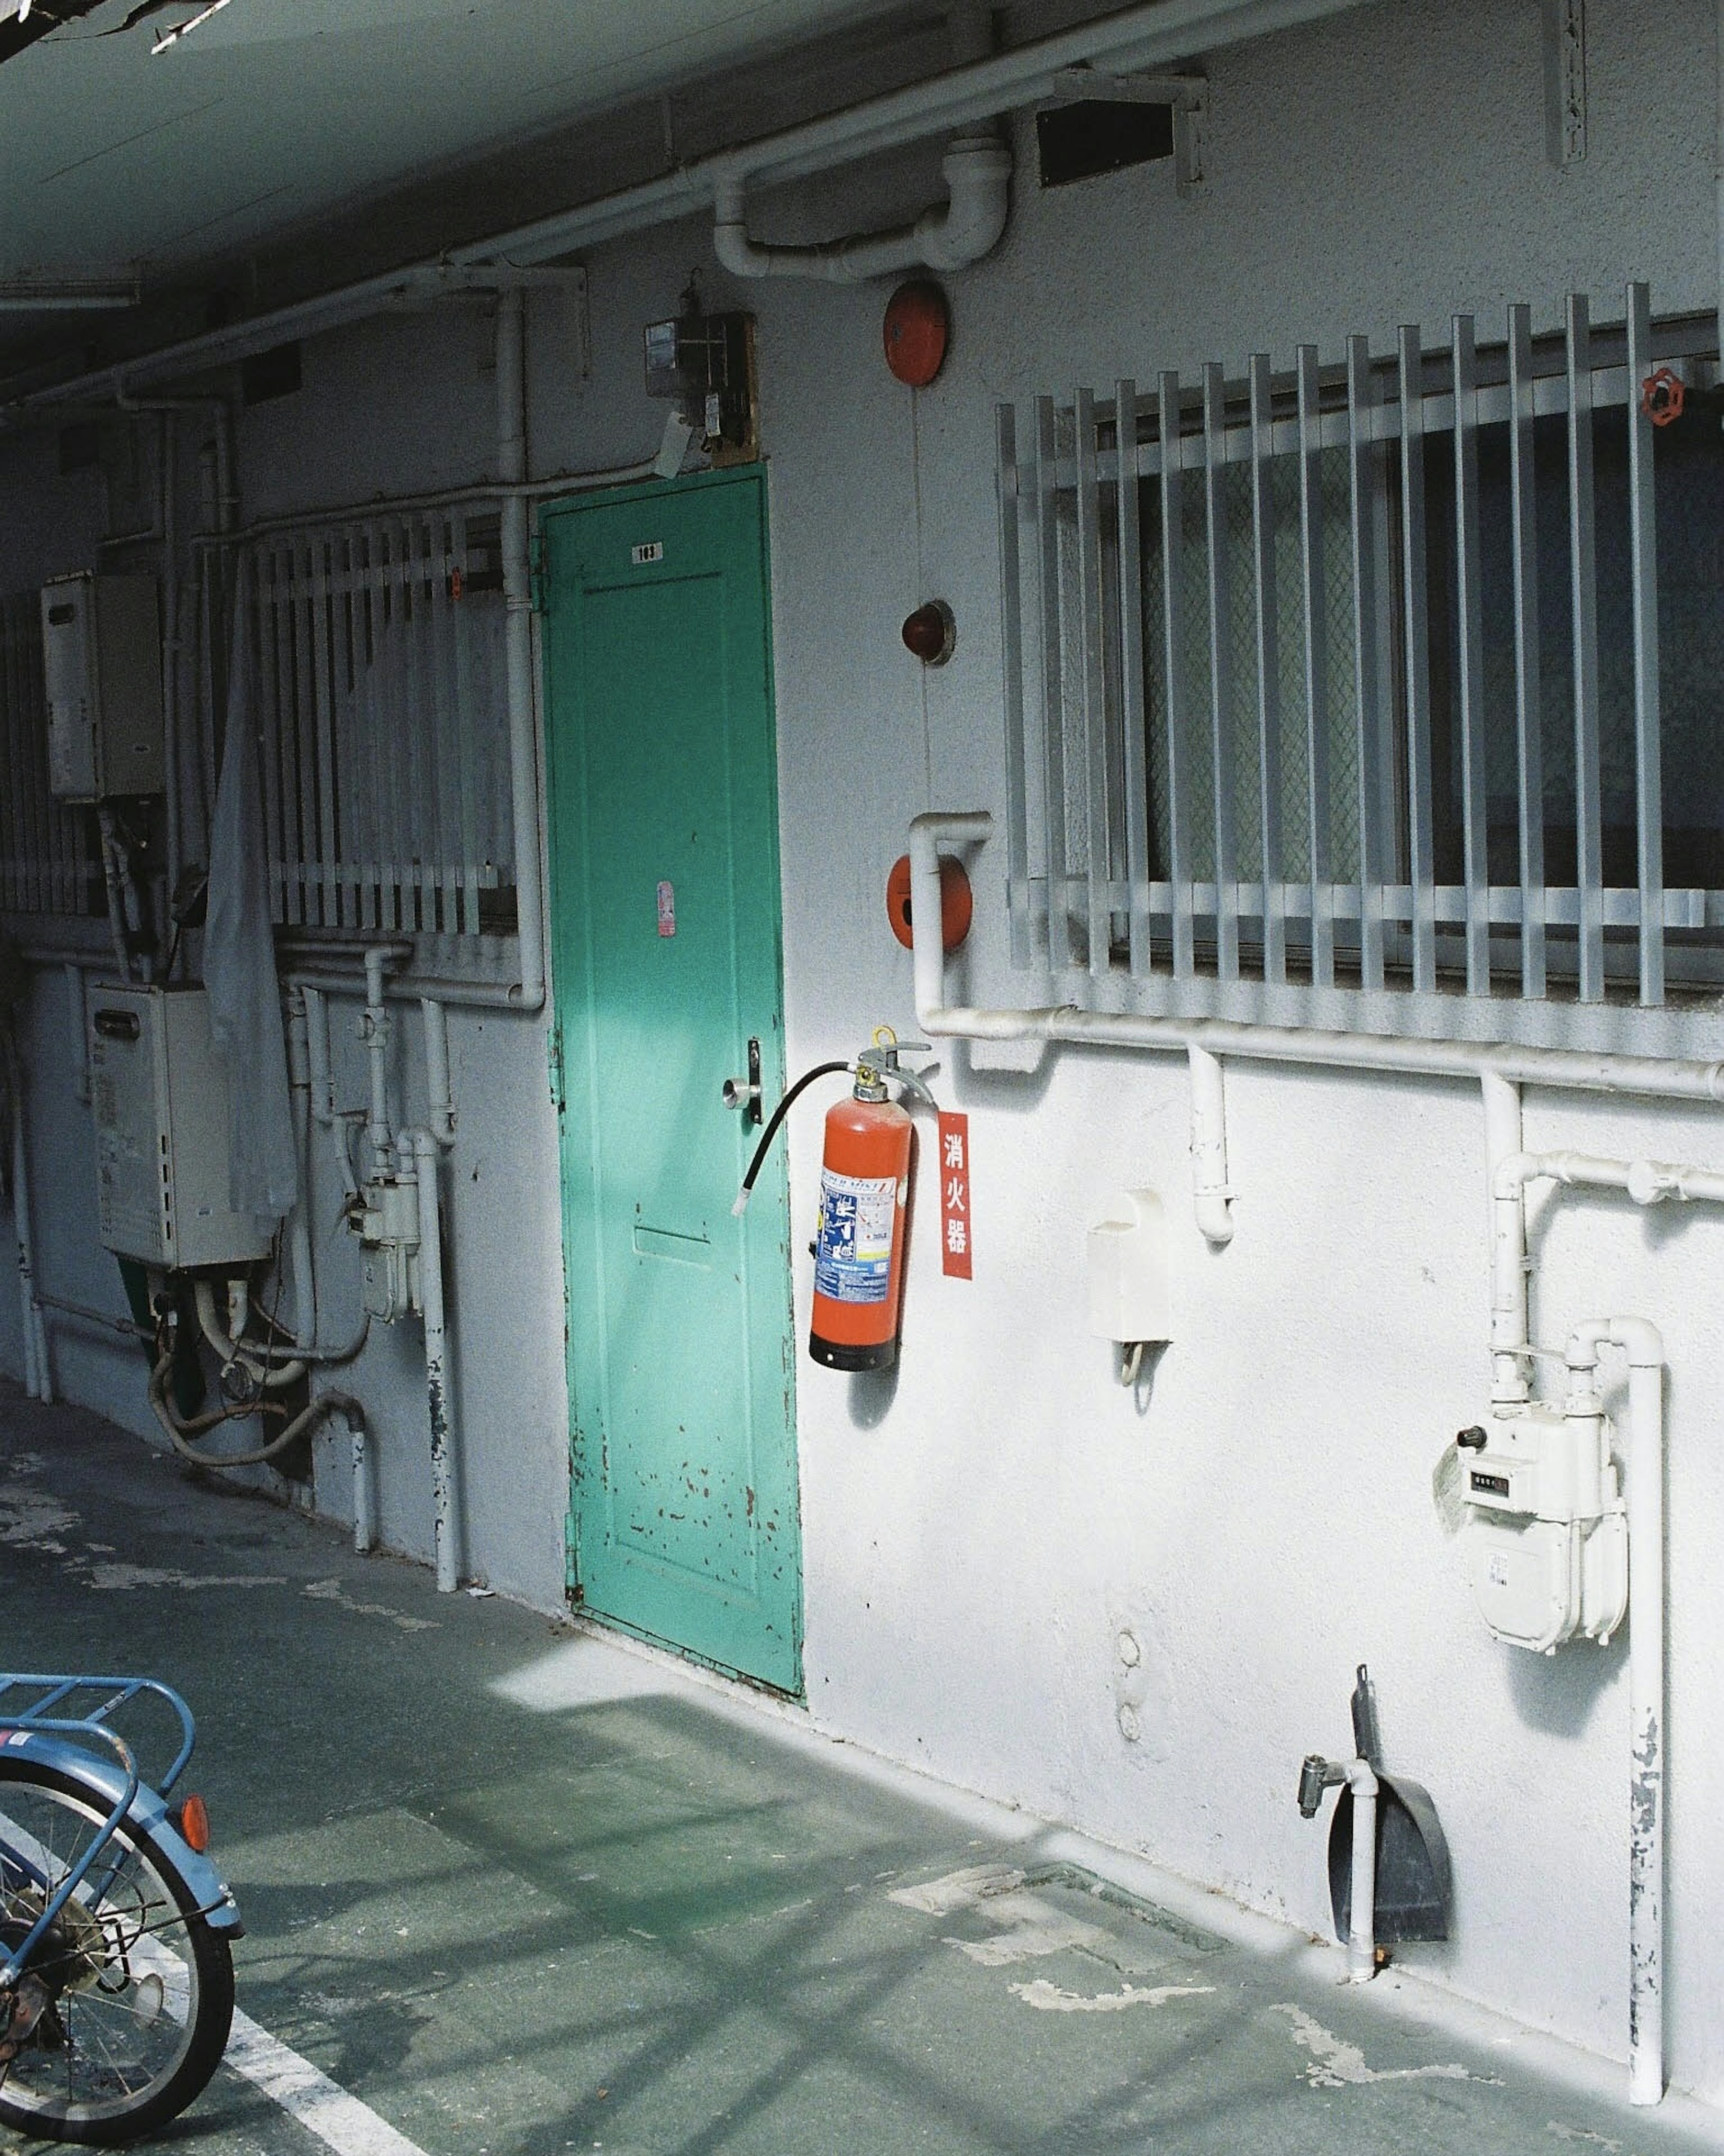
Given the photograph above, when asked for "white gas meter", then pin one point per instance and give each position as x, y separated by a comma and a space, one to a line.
387, 1222
1545, 1530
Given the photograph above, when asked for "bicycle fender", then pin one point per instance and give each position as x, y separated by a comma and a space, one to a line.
106, 1781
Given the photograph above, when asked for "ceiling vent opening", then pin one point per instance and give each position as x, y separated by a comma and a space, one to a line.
1100, 134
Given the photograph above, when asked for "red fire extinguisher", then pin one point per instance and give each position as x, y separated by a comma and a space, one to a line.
865, 1195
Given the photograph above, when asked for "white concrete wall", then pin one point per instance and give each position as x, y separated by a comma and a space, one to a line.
976, 1525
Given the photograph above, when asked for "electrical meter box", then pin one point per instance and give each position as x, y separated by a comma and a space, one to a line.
101, 656
159, 1094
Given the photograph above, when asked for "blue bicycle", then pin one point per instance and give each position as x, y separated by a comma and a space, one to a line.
116, 1981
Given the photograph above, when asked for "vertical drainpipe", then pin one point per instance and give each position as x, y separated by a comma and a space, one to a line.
444, 1466
168, 442
518, 645
1507, 1216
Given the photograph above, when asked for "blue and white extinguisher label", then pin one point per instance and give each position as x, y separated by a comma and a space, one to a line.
853, 1252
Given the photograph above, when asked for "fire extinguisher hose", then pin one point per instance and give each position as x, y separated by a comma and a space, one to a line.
771, 1132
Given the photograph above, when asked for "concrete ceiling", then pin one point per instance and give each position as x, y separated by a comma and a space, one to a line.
271, 116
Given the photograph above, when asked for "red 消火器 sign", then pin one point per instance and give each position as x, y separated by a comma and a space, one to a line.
955, 1195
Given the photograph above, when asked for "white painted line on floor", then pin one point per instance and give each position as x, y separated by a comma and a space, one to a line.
322, 2107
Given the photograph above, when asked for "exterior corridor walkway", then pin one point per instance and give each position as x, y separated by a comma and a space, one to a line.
522, 1891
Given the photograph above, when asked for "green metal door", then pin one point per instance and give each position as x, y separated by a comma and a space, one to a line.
682, 1520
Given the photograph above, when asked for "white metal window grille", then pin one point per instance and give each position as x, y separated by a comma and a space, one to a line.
380, 673
48, 862
1380, 697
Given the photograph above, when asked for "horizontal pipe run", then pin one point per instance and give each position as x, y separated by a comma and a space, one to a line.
1151, 34
1562, 1069
81, 1313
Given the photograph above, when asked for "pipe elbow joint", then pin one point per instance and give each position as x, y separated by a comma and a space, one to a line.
1641, 1341
978, 171
1514, 1174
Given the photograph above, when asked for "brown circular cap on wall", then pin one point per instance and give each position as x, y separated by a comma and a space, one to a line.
957, 903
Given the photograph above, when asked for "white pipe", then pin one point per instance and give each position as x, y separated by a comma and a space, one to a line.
374, 1032
1361, 1925
1503, 1128
20, 1220
978, 171
438, 1091
445, 1470
1640, 1340
1646, 1182
167, 443
1154, 33
518, 649
364, 1503
80, 1029
299, 1231
109, 834
1211, 1191
230, 1346
322, 1087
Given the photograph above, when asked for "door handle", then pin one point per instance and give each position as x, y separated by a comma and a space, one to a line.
744, 1093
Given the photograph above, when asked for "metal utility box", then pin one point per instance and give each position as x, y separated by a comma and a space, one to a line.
159, 1093
101, 656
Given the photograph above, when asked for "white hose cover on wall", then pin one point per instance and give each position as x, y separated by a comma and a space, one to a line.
239, 960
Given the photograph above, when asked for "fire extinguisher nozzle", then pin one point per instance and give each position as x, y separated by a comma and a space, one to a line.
742, 1205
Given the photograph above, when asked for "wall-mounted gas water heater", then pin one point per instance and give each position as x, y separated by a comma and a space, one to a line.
864, 1194
1544, 1528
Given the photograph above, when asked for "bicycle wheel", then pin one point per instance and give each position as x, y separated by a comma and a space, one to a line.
124, 2010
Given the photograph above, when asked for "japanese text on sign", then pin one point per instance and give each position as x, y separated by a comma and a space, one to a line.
954, 1243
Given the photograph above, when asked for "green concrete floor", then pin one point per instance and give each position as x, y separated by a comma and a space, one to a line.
525, 1892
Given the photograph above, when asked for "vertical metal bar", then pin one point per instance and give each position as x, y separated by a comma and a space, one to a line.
1131, 547
1318, 806
1471, 612
1094, 678
1364, 466
1588, 812
1221, 689
1059, 953
1269, 665
449, 726
409, 737
1529, 678
1008, 491
1649, 785
388, 635
1416, 598
329, 831
304, 734
370, 657
468, 720
1173, 644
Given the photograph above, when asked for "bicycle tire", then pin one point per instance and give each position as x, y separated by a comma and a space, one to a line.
141, 1988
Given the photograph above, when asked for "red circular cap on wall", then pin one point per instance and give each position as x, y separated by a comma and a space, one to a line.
957, 902
917, 326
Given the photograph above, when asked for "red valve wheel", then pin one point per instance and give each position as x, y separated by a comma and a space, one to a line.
1663, 396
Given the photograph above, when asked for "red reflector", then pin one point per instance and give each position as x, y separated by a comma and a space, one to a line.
194, 1823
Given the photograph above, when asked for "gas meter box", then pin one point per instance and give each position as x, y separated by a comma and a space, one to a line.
101, 657
159, 1095
1546, 1529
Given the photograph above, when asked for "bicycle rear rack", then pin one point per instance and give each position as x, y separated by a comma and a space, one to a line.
47, 1705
